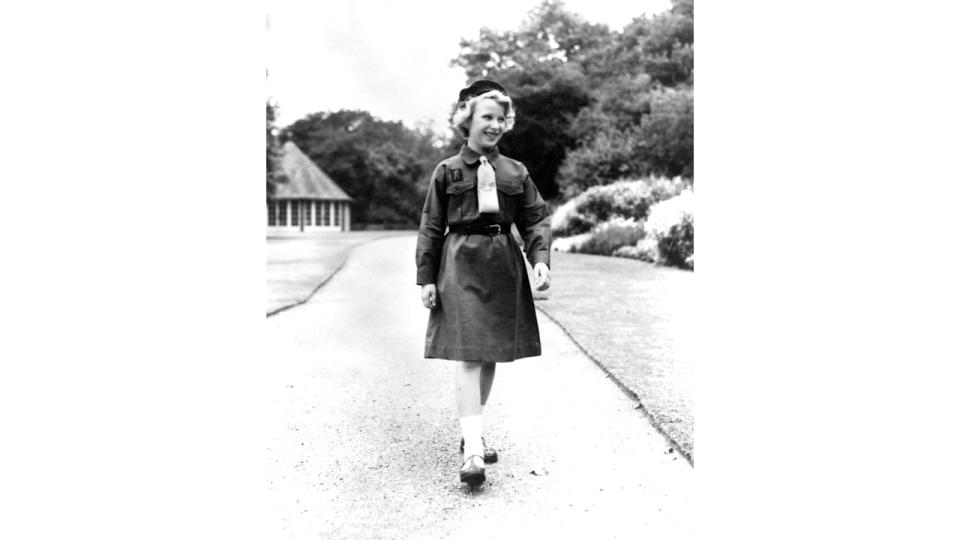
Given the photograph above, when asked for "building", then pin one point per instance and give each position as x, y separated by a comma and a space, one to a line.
309, 200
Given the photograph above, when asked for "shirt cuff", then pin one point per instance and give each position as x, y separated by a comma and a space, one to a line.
425, 276
540, 257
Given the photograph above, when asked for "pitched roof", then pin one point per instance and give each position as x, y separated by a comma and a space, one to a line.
306, 180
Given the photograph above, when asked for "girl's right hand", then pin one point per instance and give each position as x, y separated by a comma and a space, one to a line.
428, 293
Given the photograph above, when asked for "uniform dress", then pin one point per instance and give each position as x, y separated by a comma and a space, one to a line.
485, 306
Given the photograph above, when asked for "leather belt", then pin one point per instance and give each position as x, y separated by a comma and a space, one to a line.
489, 229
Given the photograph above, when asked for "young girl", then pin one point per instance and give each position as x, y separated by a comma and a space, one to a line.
473, 277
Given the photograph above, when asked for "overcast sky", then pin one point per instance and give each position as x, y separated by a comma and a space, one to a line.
392, 58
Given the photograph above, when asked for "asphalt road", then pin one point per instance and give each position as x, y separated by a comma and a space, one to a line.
365, 434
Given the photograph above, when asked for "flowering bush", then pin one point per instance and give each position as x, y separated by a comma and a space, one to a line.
670, 231
569, 243
650, 220
610, 235
647, 249
644, 250
628, 199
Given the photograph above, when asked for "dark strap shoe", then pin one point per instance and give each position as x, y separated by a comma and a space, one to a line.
489, 452
472, 471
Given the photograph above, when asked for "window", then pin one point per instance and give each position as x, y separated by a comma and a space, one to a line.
307, 211
295, 212
336, 215
271, 213
318, 211
282, 213
326, 212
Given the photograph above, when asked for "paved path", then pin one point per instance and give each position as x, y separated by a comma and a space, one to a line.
366, 434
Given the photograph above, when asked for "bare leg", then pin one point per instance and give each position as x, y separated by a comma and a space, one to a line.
487, 371
466, 376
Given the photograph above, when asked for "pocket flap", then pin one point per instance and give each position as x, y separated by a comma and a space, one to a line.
456, 188
510, 187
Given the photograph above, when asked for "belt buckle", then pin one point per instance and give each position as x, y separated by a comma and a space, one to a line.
496, 228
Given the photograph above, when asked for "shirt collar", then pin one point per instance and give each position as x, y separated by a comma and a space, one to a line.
471, 158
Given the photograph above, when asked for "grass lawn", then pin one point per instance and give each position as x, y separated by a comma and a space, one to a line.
299, 262
633, 318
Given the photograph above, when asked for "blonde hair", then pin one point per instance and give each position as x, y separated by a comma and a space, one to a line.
464, 113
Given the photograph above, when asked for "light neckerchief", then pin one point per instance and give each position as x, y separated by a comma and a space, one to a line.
487, 187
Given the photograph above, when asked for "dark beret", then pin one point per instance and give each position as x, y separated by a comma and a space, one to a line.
479, 87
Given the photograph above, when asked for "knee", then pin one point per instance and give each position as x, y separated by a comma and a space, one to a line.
469, 366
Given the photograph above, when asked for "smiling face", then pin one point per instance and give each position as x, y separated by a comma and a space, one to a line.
488, 124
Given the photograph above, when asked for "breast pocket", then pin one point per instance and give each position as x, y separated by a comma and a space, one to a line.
510, 193
461, 201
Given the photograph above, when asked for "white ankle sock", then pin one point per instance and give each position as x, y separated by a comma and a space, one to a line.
472, 427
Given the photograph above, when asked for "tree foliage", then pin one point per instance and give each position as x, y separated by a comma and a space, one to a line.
593, 105
380, 164
274, 173
540, 64
632, 139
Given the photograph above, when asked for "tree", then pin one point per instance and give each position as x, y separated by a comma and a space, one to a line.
635, 128
550, 36
640, 121
382, 165
667, 134
274, 172
661, 46
594, 105
540, 65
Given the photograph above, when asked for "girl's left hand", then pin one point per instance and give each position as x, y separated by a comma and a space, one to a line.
541, 277
428, 293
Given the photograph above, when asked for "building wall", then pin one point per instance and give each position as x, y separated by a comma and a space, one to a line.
308, 215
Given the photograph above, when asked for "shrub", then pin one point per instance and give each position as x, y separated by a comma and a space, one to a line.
631, 252
607, 237
647, 249
663, 188
628, 199
569, 243
670, 230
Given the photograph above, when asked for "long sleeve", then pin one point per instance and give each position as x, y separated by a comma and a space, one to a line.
433, 224
533, 222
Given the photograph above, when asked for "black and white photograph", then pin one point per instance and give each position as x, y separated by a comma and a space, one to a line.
455, 295
480, 260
